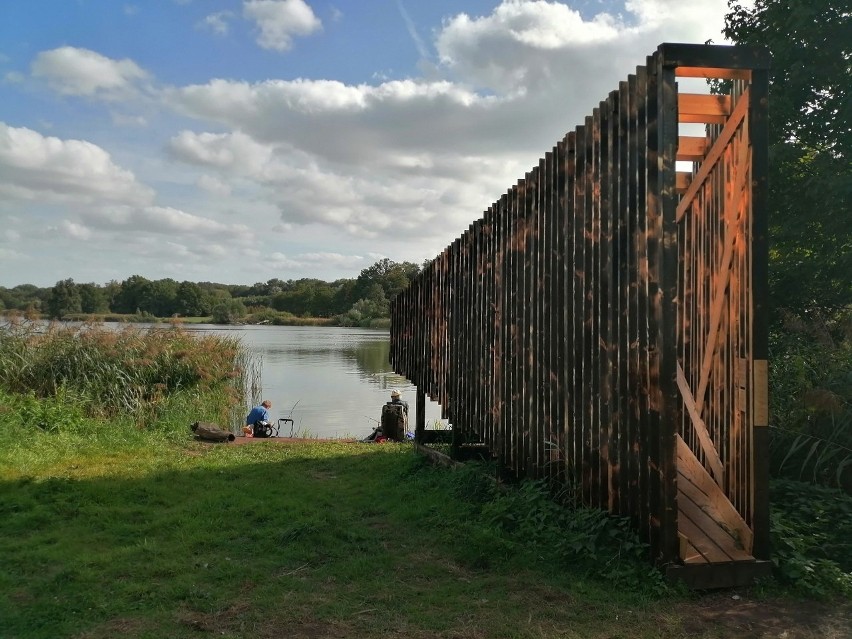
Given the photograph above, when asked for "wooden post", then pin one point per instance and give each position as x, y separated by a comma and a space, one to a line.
420, 416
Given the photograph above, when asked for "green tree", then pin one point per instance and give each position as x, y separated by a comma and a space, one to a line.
810, 141
92, 298
228, 311
160, 298
111, 291
133, 293
393, 277
64, 299
191, 300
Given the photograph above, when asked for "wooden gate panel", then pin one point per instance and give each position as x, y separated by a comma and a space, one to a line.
602, 326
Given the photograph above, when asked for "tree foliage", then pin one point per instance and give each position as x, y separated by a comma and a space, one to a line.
358, 301
64, 299
810, 139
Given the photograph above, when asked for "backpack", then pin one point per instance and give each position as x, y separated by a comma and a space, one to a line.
263, 429
394, 421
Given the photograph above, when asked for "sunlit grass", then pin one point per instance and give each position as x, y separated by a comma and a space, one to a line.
118, 523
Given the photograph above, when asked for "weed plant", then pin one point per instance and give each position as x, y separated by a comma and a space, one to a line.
529, 521
812, 538
116, 373
811, 395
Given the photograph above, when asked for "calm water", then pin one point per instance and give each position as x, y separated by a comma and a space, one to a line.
331, 381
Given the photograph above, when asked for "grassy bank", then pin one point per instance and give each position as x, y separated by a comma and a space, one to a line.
263, 317
115, 522
315, 539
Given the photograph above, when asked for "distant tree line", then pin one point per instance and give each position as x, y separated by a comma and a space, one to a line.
351, 302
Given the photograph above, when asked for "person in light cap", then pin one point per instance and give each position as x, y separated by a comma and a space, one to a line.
395, 399
395, 417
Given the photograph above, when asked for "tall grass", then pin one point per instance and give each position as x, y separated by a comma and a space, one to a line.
107, 373
69, 394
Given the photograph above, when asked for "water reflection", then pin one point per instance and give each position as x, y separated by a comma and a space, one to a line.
331, 381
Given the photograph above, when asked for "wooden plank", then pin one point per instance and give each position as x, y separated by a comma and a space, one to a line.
711, 540
682, 180
688, 553
761, 393
720, 511
640, 321
699, 105
716, 502
623, 419
713, 72
691, 148
700, 429
692, 523
677, 55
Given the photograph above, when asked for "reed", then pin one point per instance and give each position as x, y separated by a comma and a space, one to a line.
125, 372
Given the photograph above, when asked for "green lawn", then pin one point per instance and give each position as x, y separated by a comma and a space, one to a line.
279, 539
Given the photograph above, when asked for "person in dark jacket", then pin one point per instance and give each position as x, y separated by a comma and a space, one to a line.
395, 417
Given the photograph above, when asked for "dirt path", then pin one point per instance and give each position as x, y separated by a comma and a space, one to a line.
729, 614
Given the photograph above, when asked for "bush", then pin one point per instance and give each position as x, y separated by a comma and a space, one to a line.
811, 395
811, 529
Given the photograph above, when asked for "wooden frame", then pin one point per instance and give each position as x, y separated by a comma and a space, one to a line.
603, 325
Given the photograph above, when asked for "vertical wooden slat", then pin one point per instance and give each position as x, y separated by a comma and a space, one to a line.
578, 312
621, 254
666, 308
760, 308
642, 373
568, 351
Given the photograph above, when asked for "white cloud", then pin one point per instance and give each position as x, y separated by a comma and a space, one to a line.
169, 221
420, 158
217, 22
13, 77
222, 150
74, 71
33, 166
534, 45
75, 231
214, 186
280, 20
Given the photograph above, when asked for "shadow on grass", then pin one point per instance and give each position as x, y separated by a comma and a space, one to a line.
311, 539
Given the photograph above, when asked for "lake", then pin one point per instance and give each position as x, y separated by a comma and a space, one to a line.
332, 381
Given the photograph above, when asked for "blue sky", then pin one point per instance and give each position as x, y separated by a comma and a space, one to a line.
239, 140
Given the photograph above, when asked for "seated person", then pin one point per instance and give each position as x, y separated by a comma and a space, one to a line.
395, 418
257, 414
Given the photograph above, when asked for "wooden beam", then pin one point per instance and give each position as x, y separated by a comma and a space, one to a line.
700, 428
697, 107
713, 72
692, 148
682, 181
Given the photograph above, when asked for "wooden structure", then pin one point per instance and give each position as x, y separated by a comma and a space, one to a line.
603, 325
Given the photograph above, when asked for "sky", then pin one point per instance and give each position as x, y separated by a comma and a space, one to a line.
236, 141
